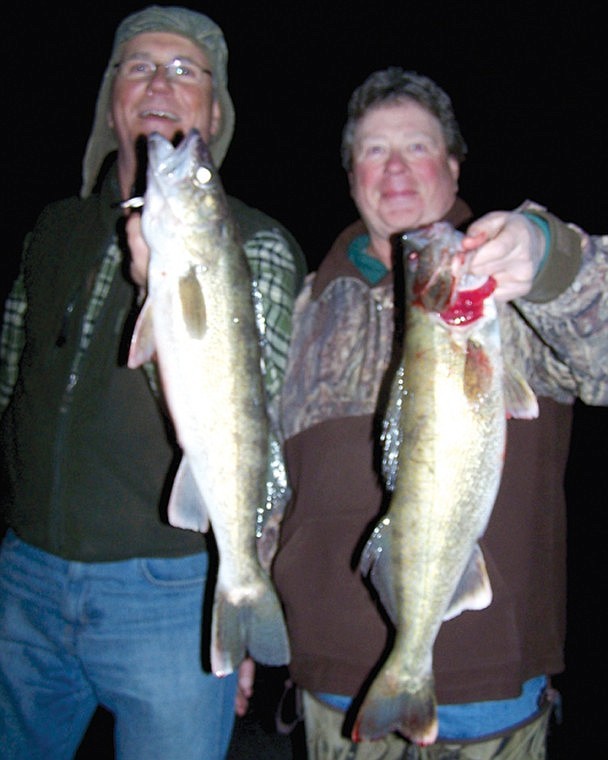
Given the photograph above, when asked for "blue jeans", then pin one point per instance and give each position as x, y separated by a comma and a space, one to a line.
125, 635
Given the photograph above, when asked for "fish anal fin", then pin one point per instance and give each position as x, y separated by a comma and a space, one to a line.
520, 400
186, 507
142, 348
474, 591
193, 304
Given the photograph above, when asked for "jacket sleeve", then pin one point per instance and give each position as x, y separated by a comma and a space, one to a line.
12, 340
276, 267
565, 336
563, 257
276, 278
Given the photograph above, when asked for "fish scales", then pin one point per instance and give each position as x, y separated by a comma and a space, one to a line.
444, 444
198, 321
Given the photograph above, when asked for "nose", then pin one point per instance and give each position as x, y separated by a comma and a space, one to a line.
396, 162
159, 80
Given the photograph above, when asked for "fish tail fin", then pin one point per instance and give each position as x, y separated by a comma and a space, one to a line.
267, 639
227, 635
385, 709
249, 626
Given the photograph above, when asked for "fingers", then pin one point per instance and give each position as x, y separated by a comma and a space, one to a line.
506, 246
488, 225
244, 690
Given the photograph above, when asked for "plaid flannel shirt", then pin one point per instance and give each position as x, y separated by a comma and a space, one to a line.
274, 275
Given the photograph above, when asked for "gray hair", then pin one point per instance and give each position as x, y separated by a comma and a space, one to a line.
393, 85
196, 27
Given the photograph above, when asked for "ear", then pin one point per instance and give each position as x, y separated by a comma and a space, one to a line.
454, 167
351, 179
216, 118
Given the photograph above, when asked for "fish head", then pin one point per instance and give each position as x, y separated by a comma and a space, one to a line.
428, 260
184, 194
437, 277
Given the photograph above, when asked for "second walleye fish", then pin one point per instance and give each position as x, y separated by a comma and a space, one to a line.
199, 321
444, 444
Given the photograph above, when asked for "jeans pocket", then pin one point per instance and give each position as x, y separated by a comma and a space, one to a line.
176, 571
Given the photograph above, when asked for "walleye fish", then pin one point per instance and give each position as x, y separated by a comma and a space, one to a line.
444, 442
199, 323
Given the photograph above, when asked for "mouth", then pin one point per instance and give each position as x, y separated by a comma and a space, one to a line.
154, 113
397, 190
399, 198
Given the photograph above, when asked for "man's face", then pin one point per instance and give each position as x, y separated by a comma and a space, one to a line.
158, 102
402, 175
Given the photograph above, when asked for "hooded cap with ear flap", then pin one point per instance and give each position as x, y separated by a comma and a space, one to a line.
196, 27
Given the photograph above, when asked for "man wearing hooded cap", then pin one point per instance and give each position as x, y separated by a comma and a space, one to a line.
100, 599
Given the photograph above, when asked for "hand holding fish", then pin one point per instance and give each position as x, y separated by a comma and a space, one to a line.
509, 247
139, 250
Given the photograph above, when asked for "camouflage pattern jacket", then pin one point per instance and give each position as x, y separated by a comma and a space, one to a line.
340, 352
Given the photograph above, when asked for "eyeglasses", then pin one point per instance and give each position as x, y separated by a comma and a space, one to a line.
178, 70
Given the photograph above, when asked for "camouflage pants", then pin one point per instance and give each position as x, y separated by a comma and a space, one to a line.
324, 740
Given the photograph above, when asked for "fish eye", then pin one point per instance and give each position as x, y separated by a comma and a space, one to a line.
203, 176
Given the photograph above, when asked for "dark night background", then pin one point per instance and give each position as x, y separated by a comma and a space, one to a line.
529, 83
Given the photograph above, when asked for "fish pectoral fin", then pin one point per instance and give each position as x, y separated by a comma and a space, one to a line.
376, 562
192, 301
520, 400
474, 591
142, 348
187, 507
